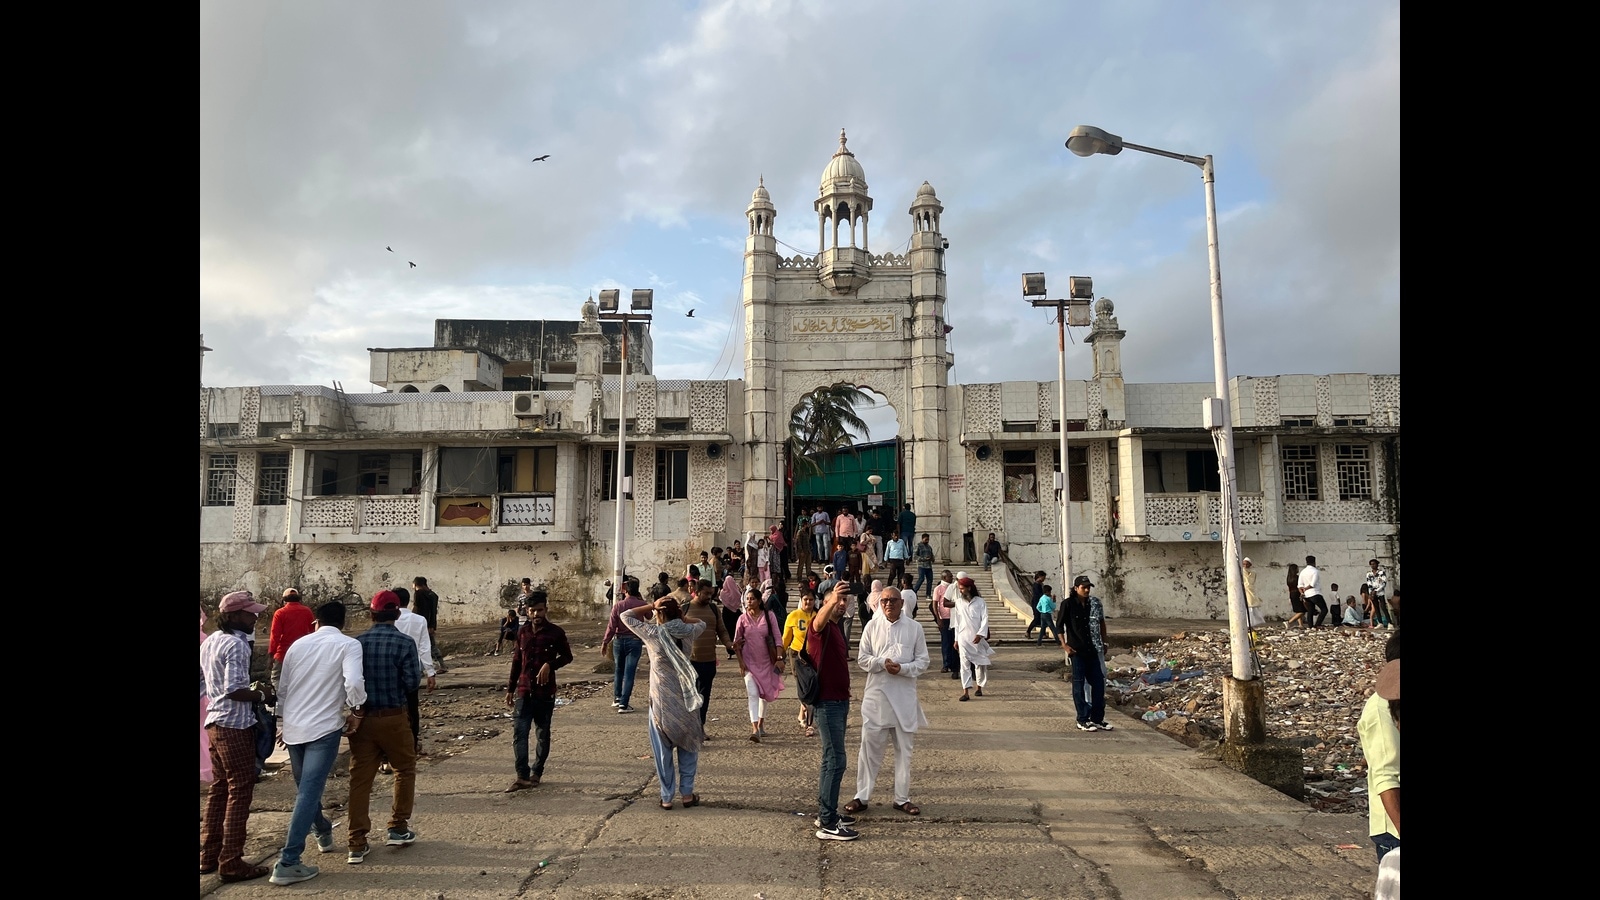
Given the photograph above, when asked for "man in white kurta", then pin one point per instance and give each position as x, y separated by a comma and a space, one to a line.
970, 619
893, 652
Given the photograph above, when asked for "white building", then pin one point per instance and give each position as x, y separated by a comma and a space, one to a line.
455, 475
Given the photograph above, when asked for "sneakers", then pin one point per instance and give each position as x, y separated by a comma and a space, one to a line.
324, 841
1103, 726
1088, 726
282, 874
357, 855
846, 821
398, 838
624, 709
615, 703
839, 832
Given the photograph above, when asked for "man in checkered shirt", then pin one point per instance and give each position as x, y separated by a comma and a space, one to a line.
391, 668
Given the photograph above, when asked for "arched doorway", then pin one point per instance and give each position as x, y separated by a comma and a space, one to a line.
843, 455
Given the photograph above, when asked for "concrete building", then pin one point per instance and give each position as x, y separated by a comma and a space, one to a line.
491, 455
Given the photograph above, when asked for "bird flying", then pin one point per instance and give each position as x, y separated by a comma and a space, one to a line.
413, 265
690, 313
541, 158
390, 249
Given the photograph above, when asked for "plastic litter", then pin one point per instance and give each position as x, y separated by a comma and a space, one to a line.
1160, 676
1154, 715
1192, 673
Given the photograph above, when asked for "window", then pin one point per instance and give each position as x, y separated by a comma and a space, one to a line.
1298, 421
1353, 465
1300, 472
1021, 476
672, 424
222, 470
354, 472
224, 429
1350, 420
1077, 469
608, 473
1017, 428
610, 424
272, 480
1204, 473
672, 474
273, 429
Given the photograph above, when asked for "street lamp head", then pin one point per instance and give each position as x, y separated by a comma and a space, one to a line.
1033, 284
1087, 140
874, 480
1080, 287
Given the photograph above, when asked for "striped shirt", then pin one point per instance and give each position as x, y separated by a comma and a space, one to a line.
389, 664
225, 660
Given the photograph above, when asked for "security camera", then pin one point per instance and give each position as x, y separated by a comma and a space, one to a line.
947, 243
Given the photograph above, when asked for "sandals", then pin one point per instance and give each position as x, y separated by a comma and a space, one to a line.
691, 801
909, 808
854, 806
666, 807
964, 698
979, 692
811, 731
755, 738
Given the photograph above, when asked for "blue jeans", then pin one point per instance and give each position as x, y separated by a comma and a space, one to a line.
535, 712
924, 576
949, 659
829, 717
677, 778
989, 560
625, 650
1384, 843
819, 548
1087, 672
310, 762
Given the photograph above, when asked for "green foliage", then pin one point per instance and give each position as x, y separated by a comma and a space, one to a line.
822, 423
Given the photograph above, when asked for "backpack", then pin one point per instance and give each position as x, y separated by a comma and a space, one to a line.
807, 681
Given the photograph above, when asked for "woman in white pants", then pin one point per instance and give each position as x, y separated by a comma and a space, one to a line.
970, 619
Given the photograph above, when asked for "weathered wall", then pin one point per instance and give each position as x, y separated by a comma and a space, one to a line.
472, 581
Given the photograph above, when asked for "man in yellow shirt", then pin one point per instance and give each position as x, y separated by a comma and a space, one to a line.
794, 640
1379, 728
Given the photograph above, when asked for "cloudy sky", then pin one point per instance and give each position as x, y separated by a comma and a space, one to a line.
330, 131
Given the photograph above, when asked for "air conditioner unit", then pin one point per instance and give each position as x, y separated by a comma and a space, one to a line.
527, 405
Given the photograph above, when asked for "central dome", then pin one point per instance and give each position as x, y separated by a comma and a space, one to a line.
843, 167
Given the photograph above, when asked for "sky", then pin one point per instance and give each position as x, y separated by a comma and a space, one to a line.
329, 132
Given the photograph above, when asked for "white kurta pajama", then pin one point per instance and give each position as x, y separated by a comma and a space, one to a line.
889, 707
970, 618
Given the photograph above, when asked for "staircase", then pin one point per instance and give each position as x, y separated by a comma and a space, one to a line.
1007, 624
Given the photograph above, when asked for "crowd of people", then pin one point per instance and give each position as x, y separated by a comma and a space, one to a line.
324, 686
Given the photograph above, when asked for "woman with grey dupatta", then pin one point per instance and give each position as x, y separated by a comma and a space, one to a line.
674, 695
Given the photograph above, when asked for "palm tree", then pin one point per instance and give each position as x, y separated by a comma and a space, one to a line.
822, 424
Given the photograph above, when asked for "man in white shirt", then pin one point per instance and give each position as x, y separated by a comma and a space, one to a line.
415, 627
909, 595
1310, 587
893, 652
821, 535
321, 686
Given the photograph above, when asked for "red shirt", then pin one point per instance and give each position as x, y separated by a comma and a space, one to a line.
827, 649
289, 624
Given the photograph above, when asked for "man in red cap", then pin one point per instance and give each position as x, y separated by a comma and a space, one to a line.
293, 621
231, 726
391, 668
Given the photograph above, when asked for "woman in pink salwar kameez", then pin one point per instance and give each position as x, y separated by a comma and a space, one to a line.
756, 641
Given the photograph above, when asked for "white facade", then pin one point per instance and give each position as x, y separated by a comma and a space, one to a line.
474, 488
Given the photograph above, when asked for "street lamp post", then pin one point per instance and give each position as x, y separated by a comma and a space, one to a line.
642, 299
1246, 715
1074, 310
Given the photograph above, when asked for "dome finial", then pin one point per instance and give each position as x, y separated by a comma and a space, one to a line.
841, 140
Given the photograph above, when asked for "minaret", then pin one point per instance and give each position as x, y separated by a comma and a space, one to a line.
1106, 339
587, 383
763, 488
841, 200
929, 371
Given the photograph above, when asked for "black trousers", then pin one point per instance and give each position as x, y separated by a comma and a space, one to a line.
1316, 610
704, 672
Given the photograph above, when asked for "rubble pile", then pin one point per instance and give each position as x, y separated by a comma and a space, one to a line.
1315, 683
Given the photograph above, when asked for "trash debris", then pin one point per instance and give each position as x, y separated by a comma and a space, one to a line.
562, 701
1154, 715
1160, 676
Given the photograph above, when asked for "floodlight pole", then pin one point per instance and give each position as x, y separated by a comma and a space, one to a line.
643, 298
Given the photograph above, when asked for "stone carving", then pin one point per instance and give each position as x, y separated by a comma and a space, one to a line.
1049, 504
983, 488
708, 491
1171, 509
250, 413
592, 495
1316, 512
1096, 407
644, 493
1047, 406
982, 404
1324, 401
244, 491
797, 262
889, 261
708, 407
297, 417
205, 413
1266, 394
644, 402
927, 327
1252, 510
1385, 391
1099, 482
327, 512
863, 324
400, 511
